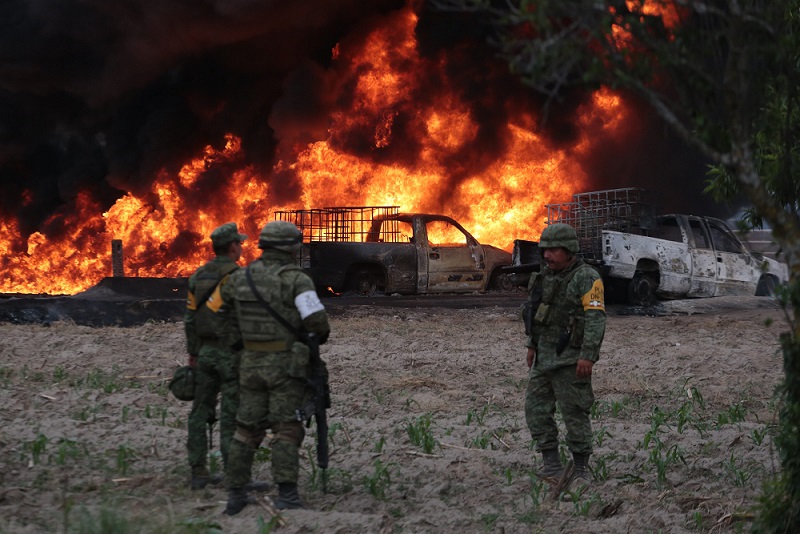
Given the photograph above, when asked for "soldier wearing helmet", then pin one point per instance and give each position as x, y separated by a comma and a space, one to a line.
566, 331
274, 363
213, 363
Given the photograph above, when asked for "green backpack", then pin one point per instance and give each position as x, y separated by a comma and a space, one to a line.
182, 383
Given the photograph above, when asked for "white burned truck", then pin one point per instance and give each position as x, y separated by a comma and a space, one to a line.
375, 249
642, 255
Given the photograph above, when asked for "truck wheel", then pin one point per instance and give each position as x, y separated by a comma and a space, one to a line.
766, 286
502, 282
364, 283
641, 290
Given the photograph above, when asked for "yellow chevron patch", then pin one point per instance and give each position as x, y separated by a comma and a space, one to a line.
594, 299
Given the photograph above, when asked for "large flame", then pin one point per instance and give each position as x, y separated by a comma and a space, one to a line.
166, 235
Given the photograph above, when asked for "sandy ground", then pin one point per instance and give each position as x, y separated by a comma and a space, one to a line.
427, 428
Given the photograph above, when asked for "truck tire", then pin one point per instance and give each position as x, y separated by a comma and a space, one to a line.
641, 290
501, 282
364, 283
766, 286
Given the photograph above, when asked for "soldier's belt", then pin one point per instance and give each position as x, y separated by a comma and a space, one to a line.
266, 346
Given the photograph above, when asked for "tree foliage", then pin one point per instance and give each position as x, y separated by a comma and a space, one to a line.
724, 75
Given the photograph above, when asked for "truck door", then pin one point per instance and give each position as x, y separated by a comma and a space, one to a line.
737, 272
455, 260
704, 268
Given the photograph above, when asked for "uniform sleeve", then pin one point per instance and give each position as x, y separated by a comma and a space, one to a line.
312, 312
192, 339
224, 320
534, 285
594, 310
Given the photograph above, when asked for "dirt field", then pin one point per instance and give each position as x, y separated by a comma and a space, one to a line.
427, 428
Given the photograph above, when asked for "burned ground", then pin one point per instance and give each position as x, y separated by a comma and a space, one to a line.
427, 429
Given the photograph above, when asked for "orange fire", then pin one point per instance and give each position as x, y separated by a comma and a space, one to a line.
165, 233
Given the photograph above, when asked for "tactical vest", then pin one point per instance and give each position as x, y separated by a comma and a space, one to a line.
555, 312
205, 280
255, 322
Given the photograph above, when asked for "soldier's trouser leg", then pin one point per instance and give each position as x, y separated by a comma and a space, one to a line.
240, 456
203, 412
286, 395
251, 424
286, 451
228, 406
575, 398
540, 408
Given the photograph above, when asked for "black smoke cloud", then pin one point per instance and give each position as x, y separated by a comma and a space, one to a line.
100, 96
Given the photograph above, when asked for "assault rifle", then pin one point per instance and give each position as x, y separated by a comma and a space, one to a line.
320, 402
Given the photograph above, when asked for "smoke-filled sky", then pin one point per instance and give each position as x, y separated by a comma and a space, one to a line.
100, 95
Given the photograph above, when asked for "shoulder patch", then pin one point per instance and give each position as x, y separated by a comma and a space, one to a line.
214, 302
594, 299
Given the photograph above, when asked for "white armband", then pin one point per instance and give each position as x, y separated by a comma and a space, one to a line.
307, 303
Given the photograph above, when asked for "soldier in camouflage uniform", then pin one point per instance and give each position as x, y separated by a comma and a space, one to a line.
567, 329
273, 376
215, 370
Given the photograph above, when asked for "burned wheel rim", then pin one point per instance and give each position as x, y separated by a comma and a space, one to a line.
641, 290
364, 283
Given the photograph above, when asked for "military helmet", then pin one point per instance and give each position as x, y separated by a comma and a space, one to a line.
182, 383
559, 235
281, 235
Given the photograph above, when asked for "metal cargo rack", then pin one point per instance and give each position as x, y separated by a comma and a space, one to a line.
624, 210
346, 223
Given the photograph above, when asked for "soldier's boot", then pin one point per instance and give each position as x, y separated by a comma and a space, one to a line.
237, 500
552, 468
288, 498
582, 477
201, 478
258, 485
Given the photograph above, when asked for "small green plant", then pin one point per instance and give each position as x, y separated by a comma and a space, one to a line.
377, 484
67, 449
263, 455
124, 457
757, 435
489, 520
378, 447
265, 527
600, 469
739, 475
59, 374
698, 521
600, 435
509, 476
126, 410
419, 432
477, 416
483, 441
36, 447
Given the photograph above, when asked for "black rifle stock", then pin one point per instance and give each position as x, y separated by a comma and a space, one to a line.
322, 401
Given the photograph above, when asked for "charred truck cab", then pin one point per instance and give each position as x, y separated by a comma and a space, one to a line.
370, 250
643, 256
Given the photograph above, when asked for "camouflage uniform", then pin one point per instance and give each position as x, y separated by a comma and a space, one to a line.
571, 299
274, 365
215, 368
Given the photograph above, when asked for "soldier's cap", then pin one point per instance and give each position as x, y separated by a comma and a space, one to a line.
226, 234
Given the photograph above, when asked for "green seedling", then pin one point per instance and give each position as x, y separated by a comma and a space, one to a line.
420, 434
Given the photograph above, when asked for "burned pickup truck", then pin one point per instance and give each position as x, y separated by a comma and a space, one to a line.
375, 249
642, 255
